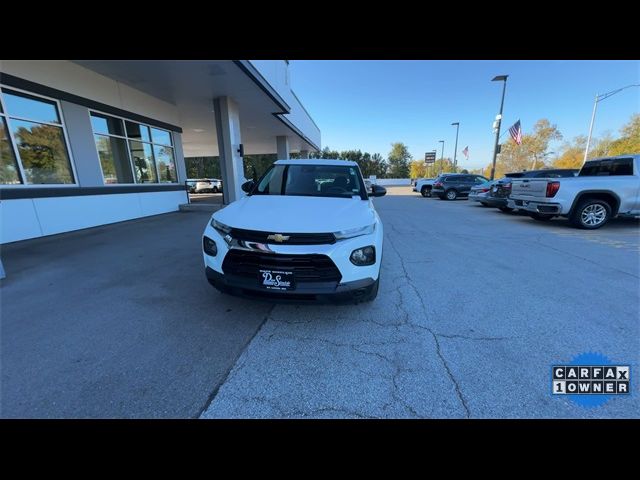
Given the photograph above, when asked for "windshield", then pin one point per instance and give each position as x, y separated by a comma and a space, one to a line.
312, 181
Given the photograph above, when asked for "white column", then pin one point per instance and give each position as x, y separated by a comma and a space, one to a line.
227, 117
304, 153
282, 144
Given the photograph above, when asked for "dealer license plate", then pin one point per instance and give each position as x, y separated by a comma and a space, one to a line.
276, 280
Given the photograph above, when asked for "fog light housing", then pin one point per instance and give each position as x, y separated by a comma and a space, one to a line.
209, 246
363, 256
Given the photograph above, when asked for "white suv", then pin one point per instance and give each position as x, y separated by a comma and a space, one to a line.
306, 231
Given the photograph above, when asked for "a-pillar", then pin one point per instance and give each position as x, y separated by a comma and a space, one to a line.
282, 145
227, 118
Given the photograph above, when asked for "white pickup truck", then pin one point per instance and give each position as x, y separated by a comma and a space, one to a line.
604, 188
423, 186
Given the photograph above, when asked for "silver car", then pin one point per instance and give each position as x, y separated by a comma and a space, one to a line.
479, 192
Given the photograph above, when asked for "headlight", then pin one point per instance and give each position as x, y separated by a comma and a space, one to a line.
221, 227
355, 232
363, 256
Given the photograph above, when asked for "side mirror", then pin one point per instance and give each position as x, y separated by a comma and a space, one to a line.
248, 186
378, 191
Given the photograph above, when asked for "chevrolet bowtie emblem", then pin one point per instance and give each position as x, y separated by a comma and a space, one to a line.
277, 237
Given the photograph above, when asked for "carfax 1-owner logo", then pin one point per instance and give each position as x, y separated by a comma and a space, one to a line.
590, 379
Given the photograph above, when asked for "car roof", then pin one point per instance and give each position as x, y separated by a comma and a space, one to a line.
316, 161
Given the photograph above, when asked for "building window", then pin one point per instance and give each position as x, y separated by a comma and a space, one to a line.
114, 159
33, 147
133, 152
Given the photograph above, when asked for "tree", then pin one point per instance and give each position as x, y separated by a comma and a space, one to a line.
572, 153
445, 165
325, 153
43, 153
399, 158
417, 169
379, 166
529, 155
629, 142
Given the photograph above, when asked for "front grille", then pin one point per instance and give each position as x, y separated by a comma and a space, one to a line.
306, 268
294, 238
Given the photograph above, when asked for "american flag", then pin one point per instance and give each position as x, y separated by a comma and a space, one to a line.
516, 132
465, 152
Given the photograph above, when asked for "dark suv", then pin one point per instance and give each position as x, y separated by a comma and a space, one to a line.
499, 194
453, 185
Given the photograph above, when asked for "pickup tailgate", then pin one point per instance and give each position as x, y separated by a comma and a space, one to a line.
529, 187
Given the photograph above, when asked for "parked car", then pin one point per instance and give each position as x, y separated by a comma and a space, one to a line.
191, 184
368, 184
604, 188
453, 185
478, 193
423, 186
292, 238
208, 185
499, 195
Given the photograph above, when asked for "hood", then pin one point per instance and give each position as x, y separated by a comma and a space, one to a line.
291, 214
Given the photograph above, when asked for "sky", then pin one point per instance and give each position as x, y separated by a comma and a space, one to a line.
368, 104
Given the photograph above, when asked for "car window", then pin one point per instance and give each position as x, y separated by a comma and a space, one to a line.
312, 180
480, 180
607, 167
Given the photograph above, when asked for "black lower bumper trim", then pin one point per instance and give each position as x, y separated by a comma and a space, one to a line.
317, 292
497, 201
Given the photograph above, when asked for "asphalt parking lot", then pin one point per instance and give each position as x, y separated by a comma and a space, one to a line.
474, 307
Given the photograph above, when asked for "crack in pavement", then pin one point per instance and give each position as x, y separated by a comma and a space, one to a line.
433, 334
235, 366
465, 337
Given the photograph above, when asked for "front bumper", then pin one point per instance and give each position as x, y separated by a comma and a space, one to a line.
351, 277
319, 292
538, 207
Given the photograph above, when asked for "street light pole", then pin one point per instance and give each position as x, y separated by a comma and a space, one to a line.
593, 117
498, 78
442, 154
599, 98
455, 149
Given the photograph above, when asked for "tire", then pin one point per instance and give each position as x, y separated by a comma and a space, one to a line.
541, 217
506, 209
451, 194
590, 214
215, 189
425, 192
484, 204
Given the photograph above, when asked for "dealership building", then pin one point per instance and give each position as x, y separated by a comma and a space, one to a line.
86, 142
